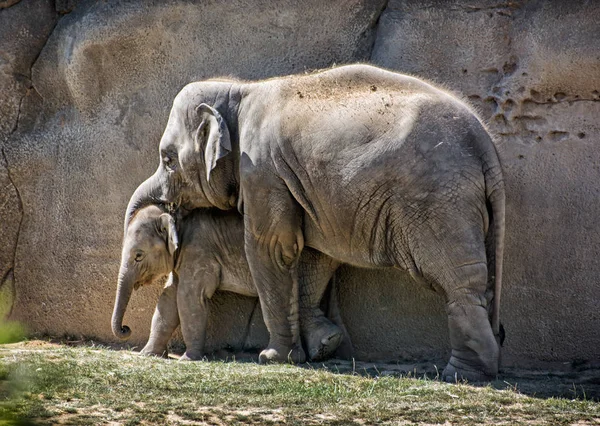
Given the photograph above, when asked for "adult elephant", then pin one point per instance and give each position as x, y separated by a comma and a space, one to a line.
371, 167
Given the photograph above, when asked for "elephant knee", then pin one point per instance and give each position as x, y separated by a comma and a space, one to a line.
287, 249
468, 284
458, 300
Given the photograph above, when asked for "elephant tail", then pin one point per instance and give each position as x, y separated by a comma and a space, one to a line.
495, 194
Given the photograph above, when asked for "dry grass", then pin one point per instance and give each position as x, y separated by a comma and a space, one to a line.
56, 384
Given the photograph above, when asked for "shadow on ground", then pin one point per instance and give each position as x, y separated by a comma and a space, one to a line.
581, 384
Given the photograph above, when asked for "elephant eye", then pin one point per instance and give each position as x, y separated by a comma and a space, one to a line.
138, 256
169, 162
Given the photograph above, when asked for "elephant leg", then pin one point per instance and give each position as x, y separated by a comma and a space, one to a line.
451, 257
346, 349
164, 321
321, 336
475, 353
274, 243
196, 286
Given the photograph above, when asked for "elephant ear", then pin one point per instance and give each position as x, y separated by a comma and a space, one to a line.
168, 230
212, 137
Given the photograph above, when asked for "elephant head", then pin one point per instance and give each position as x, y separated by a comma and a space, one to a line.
196, 137
149, 249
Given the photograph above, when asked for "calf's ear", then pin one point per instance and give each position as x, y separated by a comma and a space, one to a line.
212, 137
168, 230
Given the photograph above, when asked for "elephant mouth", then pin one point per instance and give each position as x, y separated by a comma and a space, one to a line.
146, 282
184, 203
141, 284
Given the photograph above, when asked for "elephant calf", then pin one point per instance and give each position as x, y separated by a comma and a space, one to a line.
206, 253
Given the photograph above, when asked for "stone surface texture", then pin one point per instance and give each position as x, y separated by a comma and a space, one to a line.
86, 88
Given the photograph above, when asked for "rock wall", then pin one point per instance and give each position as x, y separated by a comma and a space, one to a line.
533, 70
86, 89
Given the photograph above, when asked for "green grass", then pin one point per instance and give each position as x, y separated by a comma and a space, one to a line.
50, 384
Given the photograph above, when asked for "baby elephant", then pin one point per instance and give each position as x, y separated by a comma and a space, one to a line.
204, 254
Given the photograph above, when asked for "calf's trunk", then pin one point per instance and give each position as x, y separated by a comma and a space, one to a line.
124, 290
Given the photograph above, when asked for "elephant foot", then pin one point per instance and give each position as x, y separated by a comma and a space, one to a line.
157, 352
280, 354
323, 340
191, 356
345, 350
457, 370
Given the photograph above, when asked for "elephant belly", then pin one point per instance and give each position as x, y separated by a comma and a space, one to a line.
343, 249
238, 280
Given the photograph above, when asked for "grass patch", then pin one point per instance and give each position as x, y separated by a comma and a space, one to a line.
91, 385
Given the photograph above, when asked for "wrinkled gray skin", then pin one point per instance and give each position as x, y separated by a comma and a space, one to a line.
206, 253
370, 167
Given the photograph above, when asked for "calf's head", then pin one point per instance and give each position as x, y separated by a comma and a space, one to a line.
149, 248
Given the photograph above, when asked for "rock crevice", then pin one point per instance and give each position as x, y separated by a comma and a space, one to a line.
35, 22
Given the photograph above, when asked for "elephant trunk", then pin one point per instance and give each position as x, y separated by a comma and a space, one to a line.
124, 290
149, 192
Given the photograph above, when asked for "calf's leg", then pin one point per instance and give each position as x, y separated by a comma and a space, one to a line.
164, 321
